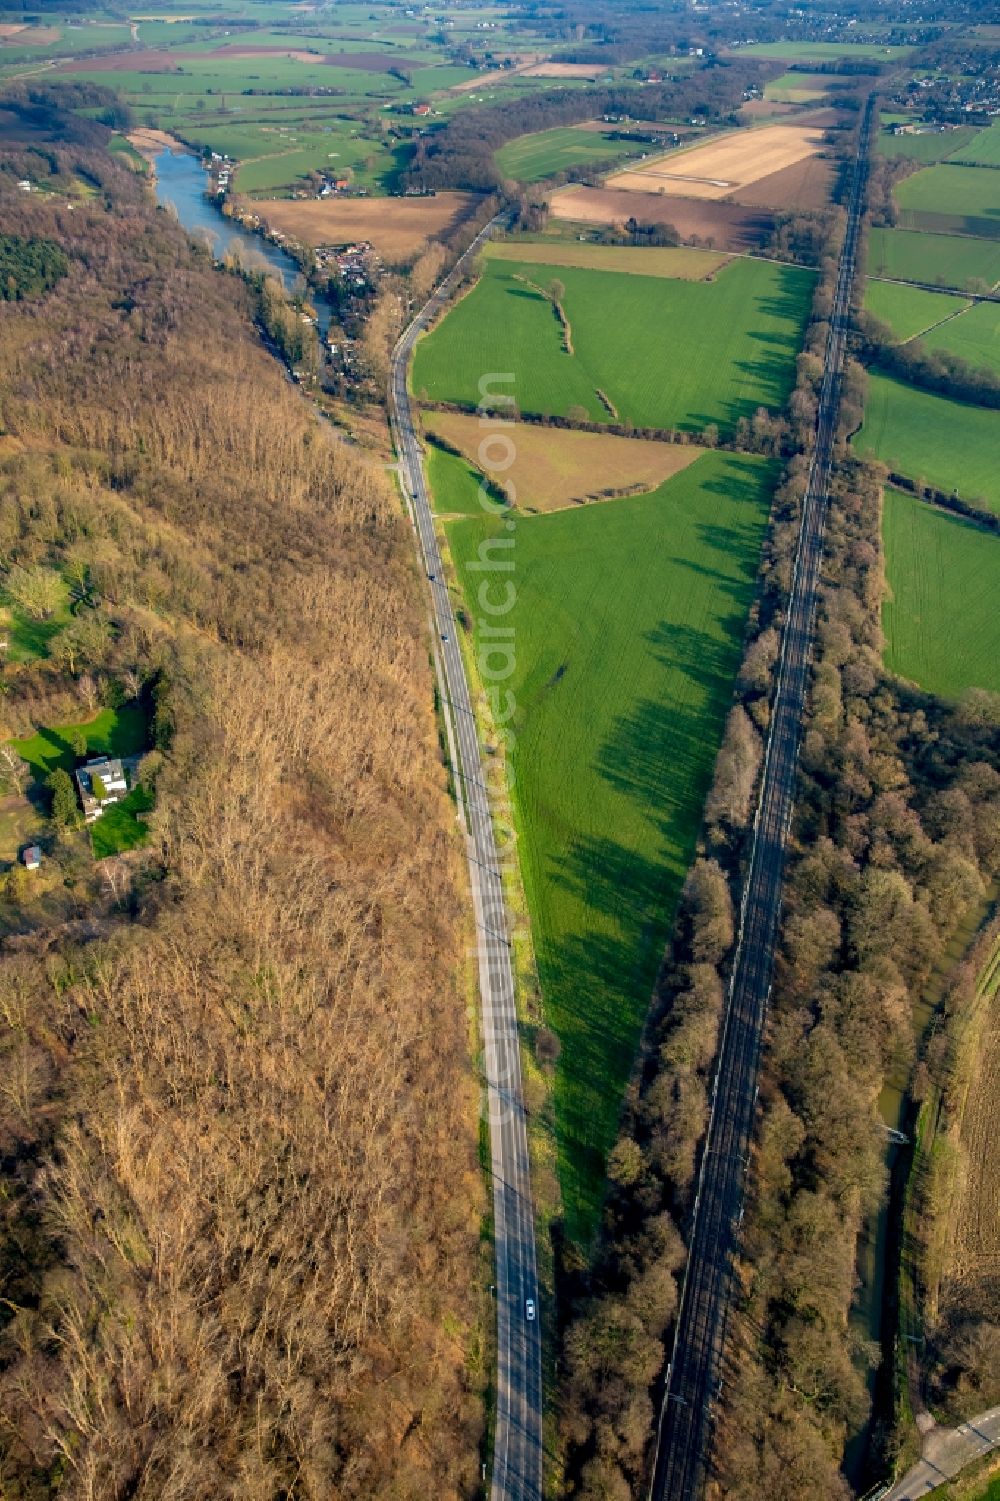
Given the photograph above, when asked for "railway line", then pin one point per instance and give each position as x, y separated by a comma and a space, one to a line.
694, 1374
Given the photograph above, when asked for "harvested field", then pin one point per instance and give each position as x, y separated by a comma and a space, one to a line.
372, 62
807, 185
553, 469
397, 227
724, 226
679, 263
145, 60
236, 50
565, 70
720, 167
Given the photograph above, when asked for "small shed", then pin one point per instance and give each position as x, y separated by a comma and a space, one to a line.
32, 857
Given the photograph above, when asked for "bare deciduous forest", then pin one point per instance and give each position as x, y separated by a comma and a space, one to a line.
240, 1236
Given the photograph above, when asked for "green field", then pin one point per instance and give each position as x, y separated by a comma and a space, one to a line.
797, 88
112, 732
949, 444
930, 146
909, 310
533, 157
456, 486
984, 148
627, 629
975, 336
945, 260
950, 198
668, 354
822, 51
941, 622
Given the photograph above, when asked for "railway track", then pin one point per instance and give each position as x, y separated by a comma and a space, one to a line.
694, 1374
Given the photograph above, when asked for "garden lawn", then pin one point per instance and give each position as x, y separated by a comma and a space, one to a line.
909, 310
948, 260
668, 354
532, 157
628, 624
112, 732
941, 623
966, 199
119, 827
975, 336
950, 444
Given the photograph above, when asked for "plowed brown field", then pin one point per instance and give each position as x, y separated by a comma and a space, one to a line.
727, 226
807, 185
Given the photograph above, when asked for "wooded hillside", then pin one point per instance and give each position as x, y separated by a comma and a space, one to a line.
239, 1242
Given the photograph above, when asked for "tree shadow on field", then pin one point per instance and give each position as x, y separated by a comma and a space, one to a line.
598, 976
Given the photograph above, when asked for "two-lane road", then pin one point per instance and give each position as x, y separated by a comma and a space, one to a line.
695, 1372
517, 1451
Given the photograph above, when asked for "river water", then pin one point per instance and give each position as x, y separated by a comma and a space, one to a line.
181, 181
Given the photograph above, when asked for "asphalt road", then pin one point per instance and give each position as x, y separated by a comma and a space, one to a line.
517, 1450
695, 1372
946, 1452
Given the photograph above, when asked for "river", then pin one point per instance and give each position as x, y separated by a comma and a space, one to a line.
181, 181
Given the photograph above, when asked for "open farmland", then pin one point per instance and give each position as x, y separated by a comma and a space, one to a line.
553, 469
628, 622
927, 146
397, 227
819, 52
727, 226
909, 311
799, 189
798, 88
676, 262
949, 444
667, 354
720, 167
975, 336
941, 622
553, 69
983, 148
531, 158
965, 200
936, 259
